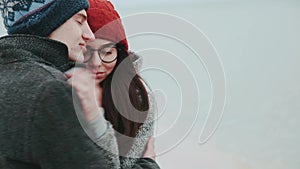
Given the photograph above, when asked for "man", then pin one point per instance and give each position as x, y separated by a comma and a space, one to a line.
38, 123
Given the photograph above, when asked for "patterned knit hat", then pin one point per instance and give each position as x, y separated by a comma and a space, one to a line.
105, 22
38, 17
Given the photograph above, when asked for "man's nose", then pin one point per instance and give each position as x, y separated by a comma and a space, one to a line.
87, 33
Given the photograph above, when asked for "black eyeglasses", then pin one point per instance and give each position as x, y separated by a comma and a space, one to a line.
107, 53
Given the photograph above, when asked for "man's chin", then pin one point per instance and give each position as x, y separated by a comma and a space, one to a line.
78, 57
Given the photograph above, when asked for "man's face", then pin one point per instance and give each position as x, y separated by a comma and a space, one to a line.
75, 33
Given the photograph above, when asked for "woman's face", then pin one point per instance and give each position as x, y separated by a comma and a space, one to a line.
107, 51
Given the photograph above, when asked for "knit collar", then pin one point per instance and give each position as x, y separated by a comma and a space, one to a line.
43, 49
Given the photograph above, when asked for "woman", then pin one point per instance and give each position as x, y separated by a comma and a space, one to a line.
123, 95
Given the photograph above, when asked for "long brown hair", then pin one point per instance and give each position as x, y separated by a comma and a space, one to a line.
119, 108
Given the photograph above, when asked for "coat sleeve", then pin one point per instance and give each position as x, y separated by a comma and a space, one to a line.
147, 130
58, 139
146, 163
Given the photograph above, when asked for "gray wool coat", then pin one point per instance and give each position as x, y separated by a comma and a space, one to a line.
39, 128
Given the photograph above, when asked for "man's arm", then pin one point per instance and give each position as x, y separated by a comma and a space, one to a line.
58, 140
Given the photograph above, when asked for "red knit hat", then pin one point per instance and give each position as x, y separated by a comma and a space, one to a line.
105, 22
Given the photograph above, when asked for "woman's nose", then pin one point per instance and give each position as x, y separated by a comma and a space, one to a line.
96, 61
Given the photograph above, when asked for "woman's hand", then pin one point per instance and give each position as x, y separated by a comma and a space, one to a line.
88, 91
149, 151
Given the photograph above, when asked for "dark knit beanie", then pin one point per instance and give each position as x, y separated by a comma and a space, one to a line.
105, 22
38, 17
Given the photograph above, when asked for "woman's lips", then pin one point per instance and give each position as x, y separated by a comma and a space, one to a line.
100, 74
